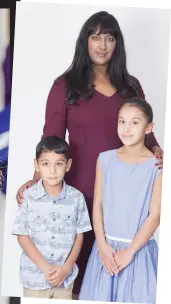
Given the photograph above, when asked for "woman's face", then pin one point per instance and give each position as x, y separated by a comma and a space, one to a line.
101, 48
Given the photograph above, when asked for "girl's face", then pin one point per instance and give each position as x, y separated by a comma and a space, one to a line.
101, 48
132, 125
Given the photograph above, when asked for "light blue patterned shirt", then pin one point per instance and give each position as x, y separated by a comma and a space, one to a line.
52, 225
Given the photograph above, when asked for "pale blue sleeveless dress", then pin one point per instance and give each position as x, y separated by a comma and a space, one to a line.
127, 191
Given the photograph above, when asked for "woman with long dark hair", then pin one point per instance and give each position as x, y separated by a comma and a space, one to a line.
85, 100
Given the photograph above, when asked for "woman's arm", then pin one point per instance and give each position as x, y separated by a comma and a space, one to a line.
56, 112
150, 140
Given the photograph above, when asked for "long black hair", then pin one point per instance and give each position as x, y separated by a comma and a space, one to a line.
79, 76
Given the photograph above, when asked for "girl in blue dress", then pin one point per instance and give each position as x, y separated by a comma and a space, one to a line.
126, 212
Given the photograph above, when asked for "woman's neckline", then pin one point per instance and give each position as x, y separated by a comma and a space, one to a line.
133, 163
105, 96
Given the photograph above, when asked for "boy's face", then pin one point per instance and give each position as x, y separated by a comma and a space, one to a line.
52, 167
132, 125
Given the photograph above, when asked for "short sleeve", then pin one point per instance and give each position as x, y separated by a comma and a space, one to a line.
55, 114
20, 226
83, 220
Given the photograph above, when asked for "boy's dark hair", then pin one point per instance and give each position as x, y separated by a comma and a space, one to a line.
142, 105
52, 144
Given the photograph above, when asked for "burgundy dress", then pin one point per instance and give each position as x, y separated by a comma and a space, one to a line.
92, 127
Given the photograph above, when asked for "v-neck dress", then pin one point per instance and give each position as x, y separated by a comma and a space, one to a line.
92, 127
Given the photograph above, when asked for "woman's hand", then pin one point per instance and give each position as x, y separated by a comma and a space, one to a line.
27, 185
123, 258
106, 253
158, 152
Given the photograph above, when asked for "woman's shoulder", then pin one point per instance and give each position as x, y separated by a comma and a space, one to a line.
59, 82
137, 83
58, 88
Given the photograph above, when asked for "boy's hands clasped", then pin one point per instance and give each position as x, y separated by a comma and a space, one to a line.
56, 274
114, 261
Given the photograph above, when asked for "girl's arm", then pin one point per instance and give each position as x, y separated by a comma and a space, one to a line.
106, 252
97, 208
153, 220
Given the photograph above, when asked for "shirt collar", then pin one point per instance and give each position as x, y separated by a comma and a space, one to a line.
42, 192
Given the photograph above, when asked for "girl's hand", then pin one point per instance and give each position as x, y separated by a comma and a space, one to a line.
158, 152
106, 253
19, 195
123, 258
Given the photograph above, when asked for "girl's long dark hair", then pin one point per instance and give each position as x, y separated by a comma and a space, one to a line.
79, 76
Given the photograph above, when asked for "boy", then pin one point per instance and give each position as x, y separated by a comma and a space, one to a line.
50, 225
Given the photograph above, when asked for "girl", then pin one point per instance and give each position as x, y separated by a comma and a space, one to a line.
126, 212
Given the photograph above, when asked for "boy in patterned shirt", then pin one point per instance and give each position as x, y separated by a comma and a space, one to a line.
50, 224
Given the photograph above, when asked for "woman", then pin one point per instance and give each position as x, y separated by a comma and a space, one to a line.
86, 100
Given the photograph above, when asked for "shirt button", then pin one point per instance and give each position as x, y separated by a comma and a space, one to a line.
52, 254
53, 237
54, 219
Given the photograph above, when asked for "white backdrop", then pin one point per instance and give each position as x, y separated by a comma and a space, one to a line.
45, 36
